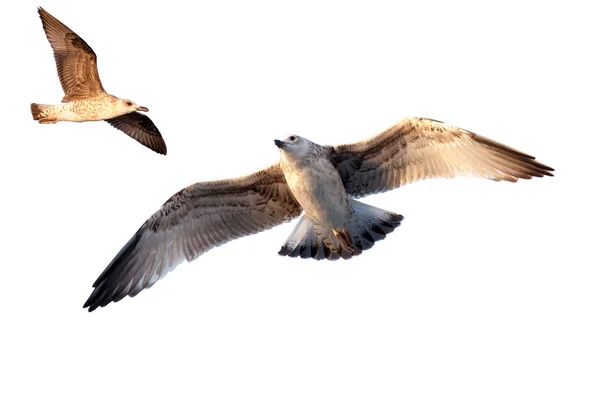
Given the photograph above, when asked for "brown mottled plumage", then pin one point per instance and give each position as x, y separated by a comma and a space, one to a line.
85, 97
322, 181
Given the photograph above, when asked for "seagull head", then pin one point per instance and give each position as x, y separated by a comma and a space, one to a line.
294, 146
130, 106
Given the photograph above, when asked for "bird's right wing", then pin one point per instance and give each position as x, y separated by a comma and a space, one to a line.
193, 221
75, 60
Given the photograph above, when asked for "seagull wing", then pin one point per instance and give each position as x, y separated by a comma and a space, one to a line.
142, 129
193, 221
419, 148
75, 60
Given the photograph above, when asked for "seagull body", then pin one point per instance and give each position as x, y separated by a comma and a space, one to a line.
329, 213
85, 99
321, 181
98, 108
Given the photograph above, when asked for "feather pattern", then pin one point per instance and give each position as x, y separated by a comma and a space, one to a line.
420, 148
75, 60
141, 128
191, 222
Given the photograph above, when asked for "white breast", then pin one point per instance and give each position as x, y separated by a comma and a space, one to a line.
318, 188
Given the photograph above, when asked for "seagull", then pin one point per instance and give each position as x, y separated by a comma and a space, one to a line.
321, 183
85, 99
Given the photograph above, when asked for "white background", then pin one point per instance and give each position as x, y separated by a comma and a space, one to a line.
487, 290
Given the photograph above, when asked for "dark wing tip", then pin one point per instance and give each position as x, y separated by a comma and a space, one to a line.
91, 304
527, 165
111, 285
548, 170
141, 128
161, 147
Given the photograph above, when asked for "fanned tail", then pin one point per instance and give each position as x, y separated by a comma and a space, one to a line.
370, 225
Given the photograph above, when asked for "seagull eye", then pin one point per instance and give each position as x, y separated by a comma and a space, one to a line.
129, 103
292, 138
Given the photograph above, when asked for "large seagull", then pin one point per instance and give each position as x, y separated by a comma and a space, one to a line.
322, 181
85, 98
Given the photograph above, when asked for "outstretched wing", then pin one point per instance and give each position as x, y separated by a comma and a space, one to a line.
75, 60
142, 129
193, 221
419, 148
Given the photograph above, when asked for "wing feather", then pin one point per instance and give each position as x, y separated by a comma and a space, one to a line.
75, 60
194, 220
420, 148
141, 128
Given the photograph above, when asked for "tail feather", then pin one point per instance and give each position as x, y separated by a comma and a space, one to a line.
375, 223
370, 225
38, 109
303, 242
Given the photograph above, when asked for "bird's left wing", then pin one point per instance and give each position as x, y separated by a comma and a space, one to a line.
196, 219
420, 148
142, 129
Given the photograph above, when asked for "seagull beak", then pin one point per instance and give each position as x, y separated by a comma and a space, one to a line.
140, 108
280, 144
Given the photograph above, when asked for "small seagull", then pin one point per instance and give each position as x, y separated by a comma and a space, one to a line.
85, 97
321, 181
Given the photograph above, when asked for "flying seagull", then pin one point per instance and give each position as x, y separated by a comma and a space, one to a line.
322, 181
85, 98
